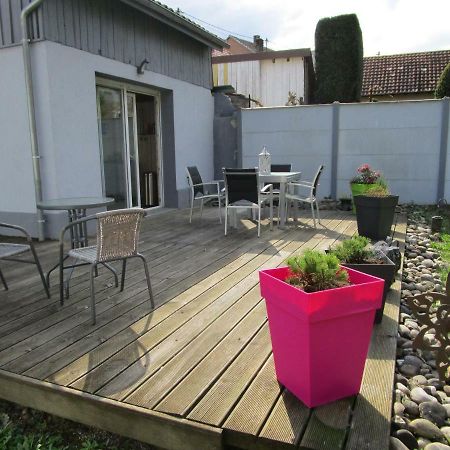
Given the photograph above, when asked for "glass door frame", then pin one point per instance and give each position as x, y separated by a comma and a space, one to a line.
129, 88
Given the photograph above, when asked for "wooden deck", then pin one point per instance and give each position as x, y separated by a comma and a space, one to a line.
196, 373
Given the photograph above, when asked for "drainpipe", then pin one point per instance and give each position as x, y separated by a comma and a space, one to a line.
31, 113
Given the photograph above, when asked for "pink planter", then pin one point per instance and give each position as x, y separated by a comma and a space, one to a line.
320, 340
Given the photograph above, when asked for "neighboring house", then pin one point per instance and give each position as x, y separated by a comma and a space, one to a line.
408, 76
239, 46
122, 95
265, 75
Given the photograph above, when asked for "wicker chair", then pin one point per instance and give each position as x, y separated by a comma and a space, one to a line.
8, 251
117, 239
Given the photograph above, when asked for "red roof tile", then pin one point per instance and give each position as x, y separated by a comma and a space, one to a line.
403, 74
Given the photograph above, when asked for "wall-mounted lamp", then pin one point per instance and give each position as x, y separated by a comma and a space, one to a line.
140, 67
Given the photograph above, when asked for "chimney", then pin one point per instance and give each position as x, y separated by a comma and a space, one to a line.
258, 43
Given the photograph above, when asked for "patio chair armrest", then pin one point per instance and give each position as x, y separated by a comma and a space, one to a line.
267, 187
73, 224
16, 227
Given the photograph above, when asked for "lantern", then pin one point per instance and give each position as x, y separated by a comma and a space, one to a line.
264, 162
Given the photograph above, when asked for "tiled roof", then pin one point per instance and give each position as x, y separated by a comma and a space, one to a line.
403, 74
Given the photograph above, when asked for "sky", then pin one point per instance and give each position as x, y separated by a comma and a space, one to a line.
388, 26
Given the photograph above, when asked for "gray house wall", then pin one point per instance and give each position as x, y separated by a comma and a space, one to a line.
112, 29
409, 142
64, 79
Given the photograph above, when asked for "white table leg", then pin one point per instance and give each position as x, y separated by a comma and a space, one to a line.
282, 204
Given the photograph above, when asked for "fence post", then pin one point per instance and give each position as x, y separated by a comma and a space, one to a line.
443, 149
334, 149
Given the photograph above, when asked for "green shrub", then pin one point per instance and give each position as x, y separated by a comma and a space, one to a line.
443, 86
353, 251
316, 271
339, 59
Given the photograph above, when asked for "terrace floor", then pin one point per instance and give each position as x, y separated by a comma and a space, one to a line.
197, 372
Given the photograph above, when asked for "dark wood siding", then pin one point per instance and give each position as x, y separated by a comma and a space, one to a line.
117, 31
10, 30
114, 30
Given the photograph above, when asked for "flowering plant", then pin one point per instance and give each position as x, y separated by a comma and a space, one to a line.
366, 175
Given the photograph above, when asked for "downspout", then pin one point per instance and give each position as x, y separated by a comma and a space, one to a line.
31, 113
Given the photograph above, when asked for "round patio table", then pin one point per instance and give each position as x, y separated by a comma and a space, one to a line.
76, 208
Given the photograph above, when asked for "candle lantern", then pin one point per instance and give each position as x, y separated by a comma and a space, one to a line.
264, 162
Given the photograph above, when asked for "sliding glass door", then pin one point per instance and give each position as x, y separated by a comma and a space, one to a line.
128, 124
110, 113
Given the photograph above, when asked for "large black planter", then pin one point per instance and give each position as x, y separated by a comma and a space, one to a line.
375, 215
385, 271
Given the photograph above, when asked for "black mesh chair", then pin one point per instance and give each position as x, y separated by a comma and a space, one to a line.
9, 251
203, 191
242, 191
279, 168
309, 194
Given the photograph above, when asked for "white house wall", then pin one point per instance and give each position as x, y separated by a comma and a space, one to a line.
268, 81
65, 96
16, 170
280, 77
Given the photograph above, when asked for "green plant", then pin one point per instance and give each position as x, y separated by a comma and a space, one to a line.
380, 190
316, 271
443, 86
355, 250
339, 59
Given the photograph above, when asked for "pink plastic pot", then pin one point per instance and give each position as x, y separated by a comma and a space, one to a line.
320, 340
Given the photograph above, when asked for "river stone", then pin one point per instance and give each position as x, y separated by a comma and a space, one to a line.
413, 360
426, 429
411, 408
396, 444
447, 408
418, 395
403, 388
436, 446
428, 263
407, 438
434, 412
409, 370
447, 389
399, 408
446, 431
418, 380
423, 442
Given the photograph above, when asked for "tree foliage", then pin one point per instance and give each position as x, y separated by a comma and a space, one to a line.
443, 86
339, 59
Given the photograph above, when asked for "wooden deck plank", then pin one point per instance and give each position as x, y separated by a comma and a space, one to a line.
81, 346
234, 331
370, 425
184, 395
201, 362
247, 418
227, 289
285, 424
217, 402
328, 425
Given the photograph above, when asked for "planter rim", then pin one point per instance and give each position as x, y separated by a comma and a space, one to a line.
318, 306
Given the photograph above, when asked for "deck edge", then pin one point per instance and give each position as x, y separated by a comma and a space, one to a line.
159, 429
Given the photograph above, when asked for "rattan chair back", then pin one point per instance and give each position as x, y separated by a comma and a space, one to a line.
118, 233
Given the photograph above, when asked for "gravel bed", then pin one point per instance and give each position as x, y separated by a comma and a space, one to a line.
421, 413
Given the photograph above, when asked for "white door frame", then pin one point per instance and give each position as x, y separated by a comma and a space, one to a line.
137, 89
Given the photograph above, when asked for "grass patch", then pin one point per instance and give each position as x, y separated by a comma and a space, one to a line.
443, 247
27, 429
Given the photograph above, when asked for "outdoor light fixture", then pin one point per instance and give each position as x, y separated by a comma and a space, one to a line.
140, 67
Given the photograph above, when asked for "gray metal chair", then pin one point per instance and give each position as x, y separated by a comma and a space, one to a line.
8, 251
117, 240
203, 191
293, 194
242, 191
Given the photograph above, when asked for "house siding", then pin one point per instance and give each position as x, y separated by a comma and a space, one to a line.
114, 30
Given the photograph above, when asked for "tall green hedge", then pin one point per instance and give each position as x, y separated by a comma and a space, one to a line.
443, 86
339, 59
